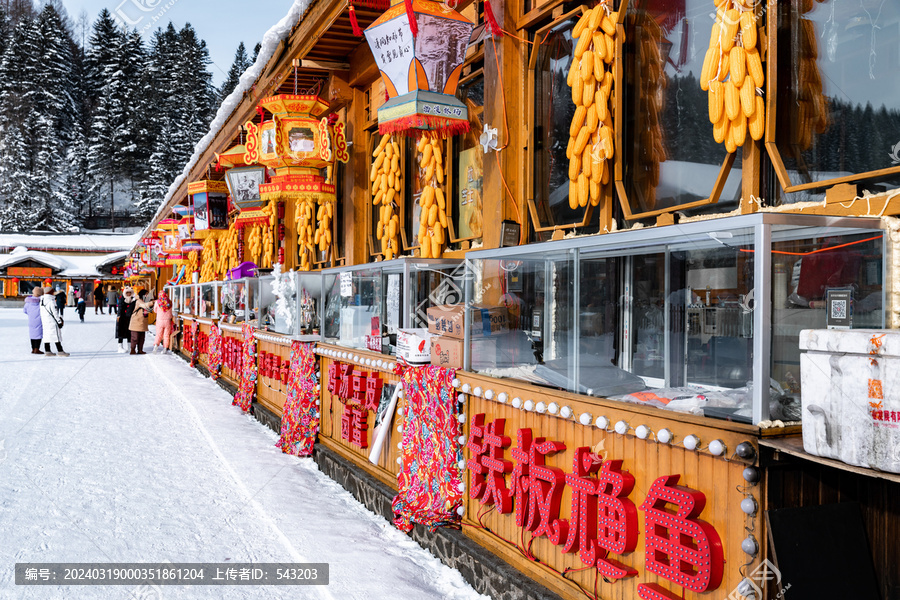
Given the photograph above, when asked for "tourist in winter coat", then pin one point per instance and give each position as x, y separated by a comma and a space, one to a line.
60, 301
50, 321
164, 327
80, 307
138, 323
125, 308
71, 296
33, 310
98, 298
112, 299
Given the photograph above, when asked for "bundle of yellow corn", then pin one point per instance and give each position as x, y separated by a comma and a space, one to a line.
433, 220
733, 74
591, 135
387, 193
305, 245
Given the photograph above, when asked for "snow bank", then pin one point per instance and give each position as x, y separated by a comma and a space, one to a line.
270, 42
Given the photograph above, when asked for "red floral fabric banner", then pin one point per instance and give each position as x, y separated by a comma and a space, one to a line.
195, 342
214, 352
247, 385
300, 417
430, 479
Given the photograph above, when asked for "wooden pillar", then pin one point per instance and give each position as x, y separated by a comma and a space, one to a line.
751, 169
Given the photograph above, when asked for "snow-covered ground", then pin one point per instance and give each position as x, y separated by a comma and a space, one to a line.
106, 457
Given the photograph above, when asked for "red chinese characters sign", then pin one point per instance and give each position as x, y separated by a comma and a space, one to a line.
603, 520
360, 392
29, 272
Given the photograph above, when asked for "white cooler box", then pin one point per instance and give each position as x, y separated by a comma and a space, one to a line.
851, 396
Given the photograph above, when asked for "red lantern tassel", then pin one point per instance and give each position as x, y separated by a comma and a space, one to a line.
491, 22
354, 23
413, 26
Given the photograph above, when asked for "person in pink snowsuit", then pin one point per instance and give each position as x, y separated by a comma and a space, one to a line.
164, 326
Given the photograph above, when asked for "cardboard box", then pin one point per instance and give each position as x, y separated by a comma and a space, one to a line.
447, 351
449, 319
414, 345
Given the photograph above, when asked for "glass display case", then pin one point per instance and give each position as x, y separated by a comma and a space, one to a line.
239, 300
701, 317
290, 304
188, 298
208, 300
366, 304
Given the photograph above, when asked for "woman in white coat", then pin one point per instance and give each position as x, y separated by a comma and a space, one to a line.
50, 321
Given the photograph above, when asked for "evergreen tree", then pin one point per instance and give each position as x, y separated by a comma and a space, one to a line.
238, 66
256, 50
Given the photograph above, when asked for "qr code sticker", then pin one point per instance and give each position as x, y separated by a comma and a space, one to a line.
839, 309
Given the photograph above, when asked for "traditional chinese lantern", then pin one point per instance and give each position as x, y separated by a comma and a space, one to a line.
209, 200
298, 143
419, 47
243, 182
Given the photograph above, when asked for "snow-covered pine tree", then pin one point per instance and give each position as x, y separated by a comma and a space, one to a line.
238, 66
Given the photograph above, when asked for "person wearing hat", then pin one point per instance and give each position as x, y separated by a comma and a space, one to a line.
60, 301
98, 298
51, 323
124, 310
138, 323
164, 325
32, 308
112, 299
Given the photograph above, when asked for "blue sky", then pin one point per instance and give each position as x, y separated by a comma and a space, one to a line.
222, 23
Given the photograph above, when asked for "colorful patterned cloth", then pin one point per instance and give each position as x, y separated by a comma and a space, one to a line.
247, 384
429, 480
214, 352
300, 418
195, 342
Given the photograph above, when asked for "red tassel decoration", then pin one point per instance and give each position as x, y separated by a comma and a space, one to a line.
354, 23
490, 21
413, 26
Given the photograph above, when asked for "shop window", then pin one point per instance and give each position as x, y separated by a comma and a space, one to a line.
467, 208
25, 287
670, 159
388, 171
553, 113
834, 89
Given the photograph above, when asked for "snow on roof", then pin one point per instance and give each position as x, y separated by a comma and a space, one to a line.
83, 265
269, 45
100, 243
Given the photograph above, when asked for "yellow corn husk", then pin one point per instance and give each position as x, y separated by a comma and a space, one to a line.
379, 230
587, 65
426, 155
379, 160
581, 24
373, 173
608, 26
606, 173
592, 120
720, 129
577, 120
595, 189
388, 151
714, 34
601, 106
730, 146
569, 146
396, 147
435, 248
738, 64
598, 67
707, 72
724, 66
574, 166
442, 218
739, 130
436, 152
429, 172
581, 47
755, 68
587, 94
610, 49
439, 196
730, 22
573, 194
748, 30
586, 161
377, 199
581, 141
597, 161
577, 91
748, 97
716, 101
574, 71
395, 163
732, 100
420, 146
390, 195
599, 42
432, 215
423, 217
757, 122
427, 196
607, 143
584, 191
596, 15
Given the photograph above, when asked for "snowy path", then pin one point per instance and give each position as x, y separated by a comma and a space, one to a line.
106, 457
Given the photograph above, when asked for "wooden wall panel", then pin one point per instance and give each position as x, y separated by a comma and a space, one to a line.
270, 392
717, 477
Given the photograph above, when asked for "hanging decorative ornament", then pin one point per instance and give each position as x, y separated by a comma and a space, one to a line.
488, 139
209, 200
298, 143
419, 47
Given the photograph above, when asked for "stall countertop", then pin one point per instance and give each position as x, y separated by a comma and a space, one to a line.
793, 445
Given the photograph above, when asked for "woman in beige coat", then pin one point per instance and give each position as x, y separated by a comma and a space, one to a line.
138, 323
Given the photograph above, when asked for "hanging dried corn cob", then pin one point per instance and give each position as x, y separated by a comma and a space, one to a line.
433, 221
228, 250
210, 257
811, 104
733, 74
324, 217
647, 155
591, 136
304, 218
386, 194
